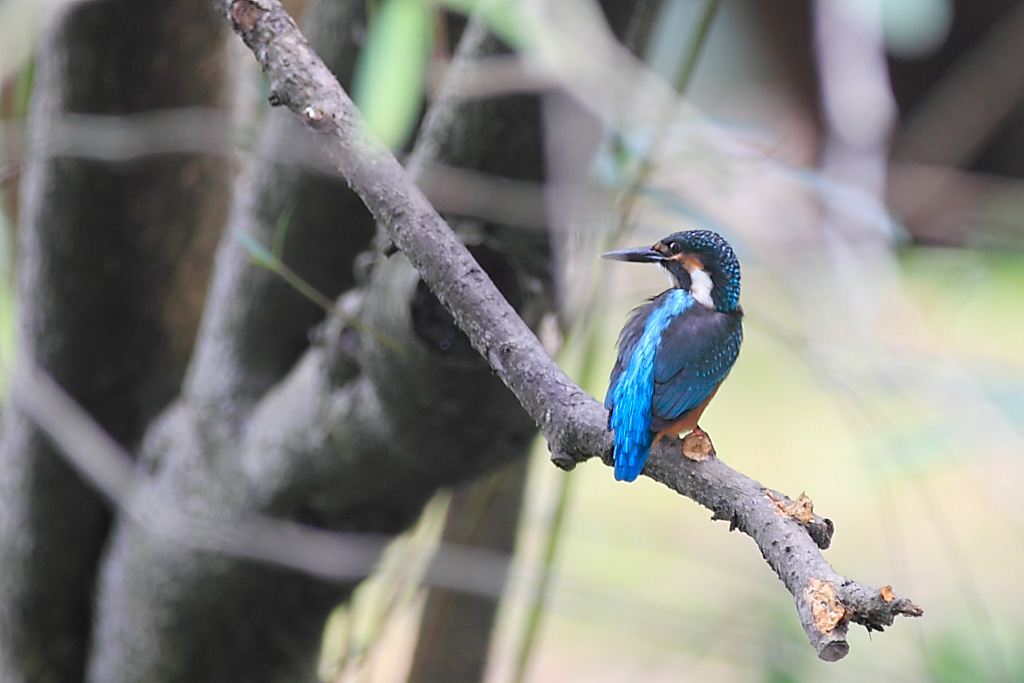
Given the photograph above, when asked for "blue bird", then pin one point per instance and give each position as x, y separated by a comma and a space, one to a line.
676, 349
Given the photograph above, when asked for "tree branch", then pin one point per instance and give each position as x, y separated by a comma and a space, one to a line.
573, 423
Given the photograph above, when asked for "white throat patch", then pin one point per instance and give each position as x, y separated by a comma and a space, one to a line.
672, 281
701, 286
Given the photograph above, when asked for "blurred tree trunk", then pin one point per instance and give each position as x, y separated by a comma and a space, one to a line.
456, 628
113, 264
243, 412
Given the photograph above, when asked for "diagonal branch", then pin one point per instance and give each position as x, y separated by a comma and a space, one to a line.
573, 423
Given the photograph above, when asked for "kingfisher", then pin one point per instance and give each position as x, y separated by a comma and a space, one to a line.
676, 349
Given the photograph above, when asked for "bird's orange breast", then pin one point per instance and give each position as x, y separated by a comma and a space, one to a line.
688, 421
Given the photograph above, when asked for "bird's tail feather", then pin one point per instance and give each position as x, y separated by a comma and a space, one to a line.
630, 459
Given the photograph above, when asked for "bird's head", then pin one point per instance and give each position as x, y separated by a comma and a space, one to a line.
700, 261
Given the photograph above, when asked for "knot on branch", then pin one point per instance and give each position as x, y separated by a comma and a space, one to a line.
245, 14
563, 461
826, 608
818, 528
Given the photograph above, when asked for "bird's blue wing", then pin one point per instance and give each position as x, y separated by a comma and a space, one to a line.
631, 388
697, 350
629, 398
628, 339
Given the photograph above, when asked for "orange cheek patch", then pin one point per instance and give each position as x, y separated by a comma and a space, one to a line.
691, 262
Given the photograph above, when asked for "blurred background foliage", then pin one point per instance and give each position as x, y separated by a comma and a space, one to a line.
866, 159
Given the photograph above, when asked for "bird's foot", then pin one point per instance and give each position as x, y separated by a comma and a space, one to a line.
697, 445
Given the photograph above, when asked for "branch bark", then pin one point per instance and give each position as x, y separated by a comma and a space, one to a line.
573, 423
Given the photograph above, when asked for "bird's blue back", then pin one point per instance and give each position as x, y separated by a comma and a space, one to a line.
673, 352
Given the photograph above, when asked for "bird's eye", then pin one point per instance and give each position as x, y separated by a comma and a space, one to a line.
674, 248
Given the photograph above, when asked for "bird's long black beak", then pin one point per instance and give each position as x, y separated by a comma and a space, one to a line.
635, 255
